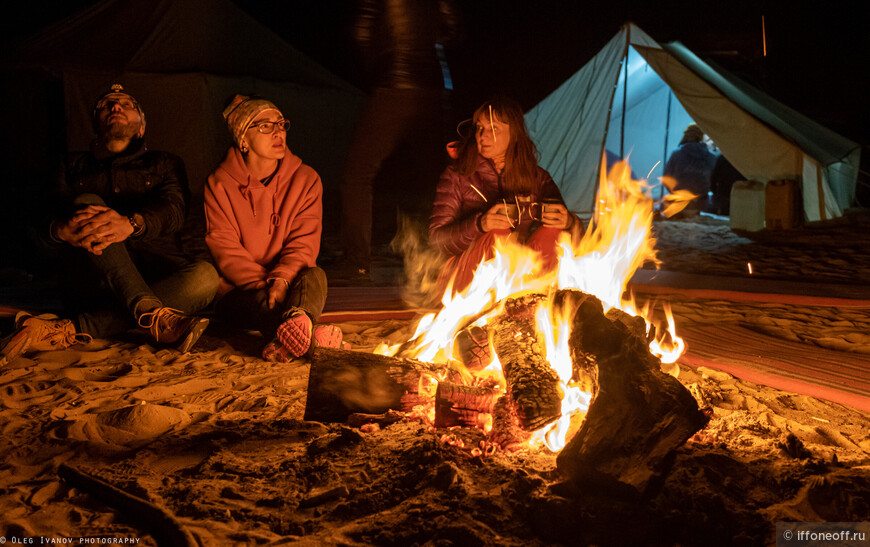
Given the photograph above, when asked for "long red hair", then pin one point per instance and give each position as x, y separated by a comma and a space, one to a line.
521, 158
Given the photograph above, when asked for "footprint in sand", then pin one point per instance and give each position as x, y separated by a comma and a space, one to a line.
99, 373
833, 497
34, 393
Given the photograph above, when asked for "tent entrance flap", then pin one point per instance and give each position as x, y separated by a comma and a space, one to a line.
645, 120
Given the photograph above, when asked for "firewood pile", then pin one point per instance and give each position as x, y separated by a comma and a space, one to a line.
637, 416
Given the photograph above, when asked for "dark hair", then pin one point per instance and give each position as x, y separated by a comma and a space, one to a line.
520, 162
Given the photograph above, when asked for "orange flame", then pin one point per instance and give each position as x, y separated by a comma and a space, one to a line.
617, 242
555, 327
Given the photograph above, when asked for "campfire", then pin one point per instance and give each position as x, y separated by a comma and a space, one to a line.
559, 360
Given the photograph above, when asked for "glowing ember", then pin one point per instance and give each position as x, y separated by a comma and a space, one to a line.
617, 243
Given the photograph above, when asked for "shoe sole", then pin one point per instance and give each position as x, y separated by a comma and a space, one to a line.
192, 337
296, 335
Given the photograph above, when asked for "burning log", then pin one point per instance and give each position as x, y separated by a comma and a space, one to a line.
532, 385
524, 306
360, 419
457, 404
634, 323
473, 348
344, 382
506, 431
638, 415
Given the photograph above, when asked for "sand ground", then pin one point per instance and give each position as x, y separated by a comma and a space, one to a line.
215, 442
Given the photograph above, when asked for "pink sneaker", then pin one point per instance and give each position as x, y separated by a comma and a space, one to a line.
295, 333
327, 336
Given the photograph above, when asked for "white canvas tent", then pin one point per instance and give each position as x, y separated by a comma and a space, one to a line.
635, 98
182, 59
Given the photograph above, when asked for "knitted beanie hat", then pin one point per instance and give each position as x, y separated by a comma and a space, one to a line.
241, 111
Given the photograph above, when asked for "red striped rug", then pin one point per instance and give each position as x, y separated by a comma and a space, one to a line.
801, 368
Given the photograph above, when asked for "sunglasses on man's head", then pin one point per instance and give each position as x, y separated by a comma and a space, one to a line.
109, 102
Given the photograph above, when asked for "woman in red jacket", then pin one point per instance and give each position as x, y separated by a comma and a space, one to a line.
264, 212
494, 188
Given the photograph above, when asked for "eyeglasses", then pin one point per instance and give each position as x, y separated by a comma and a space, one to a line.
267, 128
109, 103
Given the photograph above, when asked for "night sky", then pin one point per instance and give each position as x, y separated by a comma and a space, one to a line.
817, 54
817, 57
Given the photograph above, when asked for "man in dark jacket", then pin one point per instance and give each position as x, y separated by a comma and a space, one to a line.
690, 165
399, 41
113, 225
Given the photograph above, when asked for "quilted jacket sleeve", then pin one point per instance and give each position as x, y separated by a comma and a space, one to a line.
451, 230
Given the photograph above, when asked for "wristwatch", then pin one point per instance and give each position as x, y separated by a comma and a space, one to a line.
137, 228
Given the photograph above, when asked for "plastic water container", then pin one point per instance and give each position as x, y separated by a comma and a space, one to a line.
747, 206
781, 205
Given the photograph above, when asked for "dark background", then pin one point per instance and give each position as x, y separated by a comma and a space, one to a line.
818, 53
817, 58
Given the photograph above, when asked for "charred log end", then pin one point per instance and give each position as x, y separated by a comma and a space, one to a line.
638, 415
344, 382
634, 323
523, 307
570, 298
472, 346
460, 405
506, 431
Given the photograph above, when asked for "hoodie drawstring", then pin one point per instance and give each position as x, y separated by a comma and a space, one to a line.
275, 218
246, 193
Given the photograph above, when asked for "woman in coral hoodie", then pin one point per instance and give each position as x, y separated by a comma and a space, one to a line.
263, 211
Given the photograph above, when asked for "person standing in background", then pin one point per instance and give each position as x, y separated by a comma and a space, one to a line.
399, 42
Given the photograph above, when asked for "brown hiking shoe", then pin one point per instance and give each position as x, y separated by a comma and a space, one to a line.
171, 326
41, 333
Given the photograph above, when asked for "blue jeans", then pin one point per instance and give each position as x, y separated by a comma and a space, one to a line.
108, 292
249, 309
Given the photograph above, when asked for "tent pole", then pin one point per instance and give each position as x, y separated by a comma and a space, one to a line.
667, 134
613, 89
624, 99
